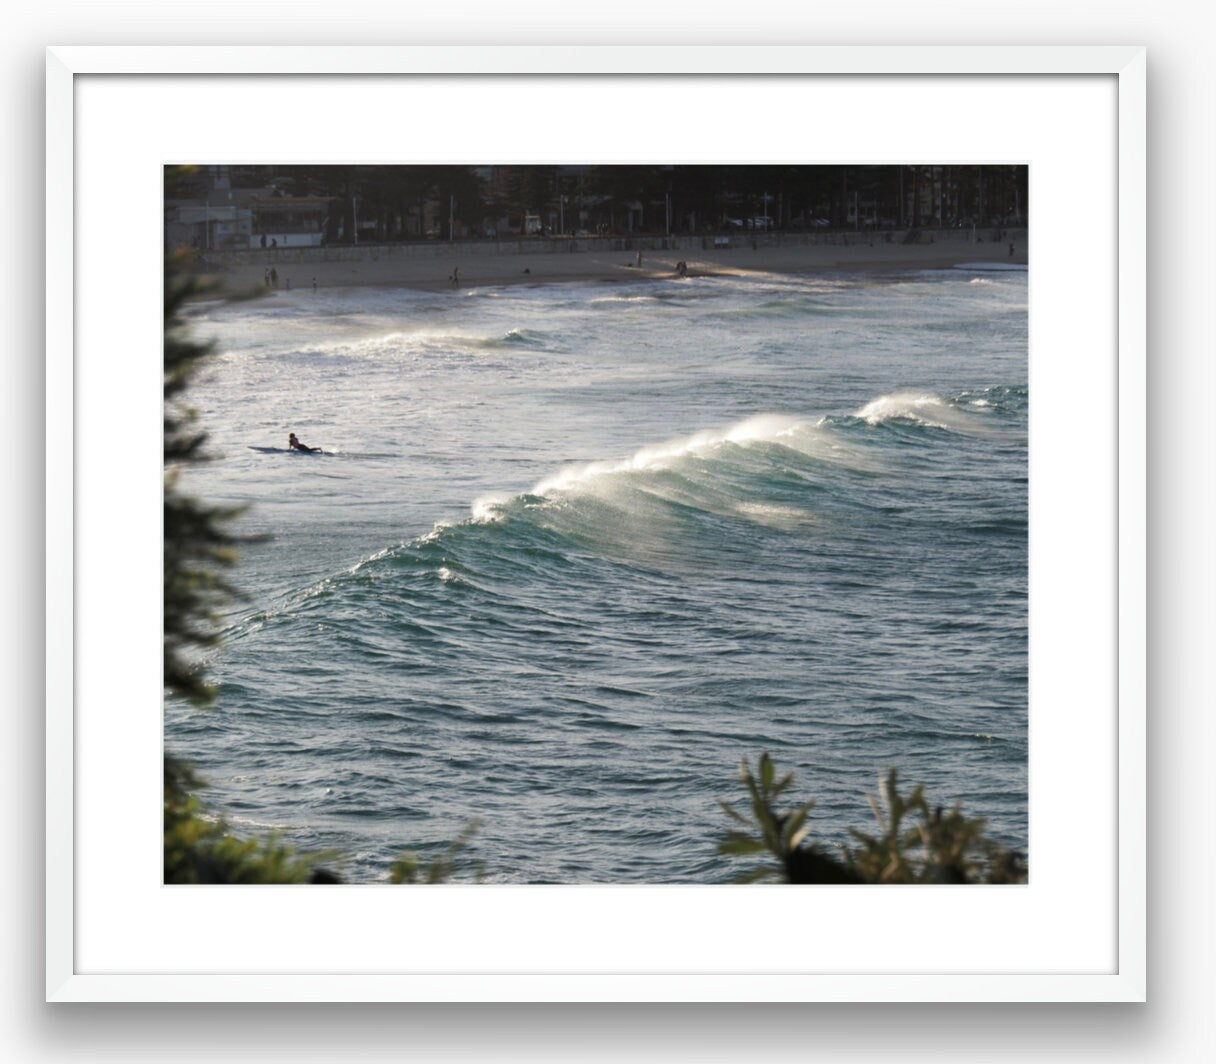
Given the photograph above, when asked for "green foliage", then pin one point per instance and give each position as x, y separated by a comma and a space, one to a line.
780, 835
919, 843
199, 548
915, 843
408, 869
200, 850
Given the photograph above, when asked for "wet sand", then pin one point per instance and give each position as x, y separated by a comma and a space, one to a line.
432, 266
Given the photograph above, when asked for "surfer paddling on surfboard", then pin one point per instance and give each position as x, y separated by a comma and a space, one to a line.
294, 444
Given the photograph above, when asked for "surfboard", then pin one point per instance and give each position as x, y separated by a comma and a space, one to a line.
284, 450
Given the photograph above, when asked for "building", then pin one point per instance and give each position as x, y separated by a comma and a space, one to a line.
218, 222
290, 221
234, 219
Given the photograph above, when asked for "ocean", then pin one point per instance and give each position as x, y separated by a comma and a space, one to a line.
575, 550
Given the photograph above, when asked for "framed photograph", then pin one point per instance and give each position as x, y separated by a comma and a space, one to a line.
595, 421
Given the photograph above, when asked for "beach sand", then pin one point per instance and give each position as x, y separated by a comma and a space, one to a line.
431, 266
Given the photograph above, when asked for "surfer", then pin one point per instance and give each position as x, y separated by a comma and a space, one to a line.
294, 444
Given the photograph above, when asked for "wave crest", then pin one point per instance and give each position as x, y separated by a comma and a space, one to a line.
771, 428
919, 407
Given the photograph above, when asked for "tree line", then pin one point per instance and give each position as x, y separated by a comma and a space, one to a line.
387, 203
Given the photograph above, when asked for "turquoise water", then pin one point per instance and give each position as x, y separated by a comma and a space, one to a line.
577, 549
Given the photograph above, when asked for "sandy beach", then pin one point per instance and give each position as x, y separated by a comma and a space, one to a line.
431, 266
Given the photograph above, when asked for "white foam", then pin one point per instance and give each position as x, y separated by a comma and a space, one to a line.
489, 508
600, 300
762, 427
921, 407
384, 552
775, 516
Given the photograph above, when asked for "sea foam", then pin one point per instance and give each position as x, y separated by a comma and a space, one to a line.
920, 407
774, 428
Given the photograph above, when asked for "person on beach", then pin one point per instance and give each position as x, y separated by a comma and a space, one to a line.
455, 278
274, 277
293, 444
639, 262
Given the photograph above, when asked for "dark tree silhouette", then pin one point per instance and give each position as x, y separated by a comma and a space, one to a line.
199, 546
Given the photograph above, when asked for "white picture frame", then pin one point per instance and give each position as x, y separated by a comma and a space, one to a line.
84, 715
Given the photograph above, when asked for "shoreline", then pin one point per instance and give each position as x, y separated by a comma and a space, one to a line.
485, 266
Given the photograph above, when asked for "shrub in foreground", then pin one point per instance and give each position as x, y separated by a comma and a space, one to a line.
915, 842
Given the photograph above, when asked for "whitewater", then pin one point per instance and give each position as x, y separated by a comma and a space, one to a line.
575, 550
